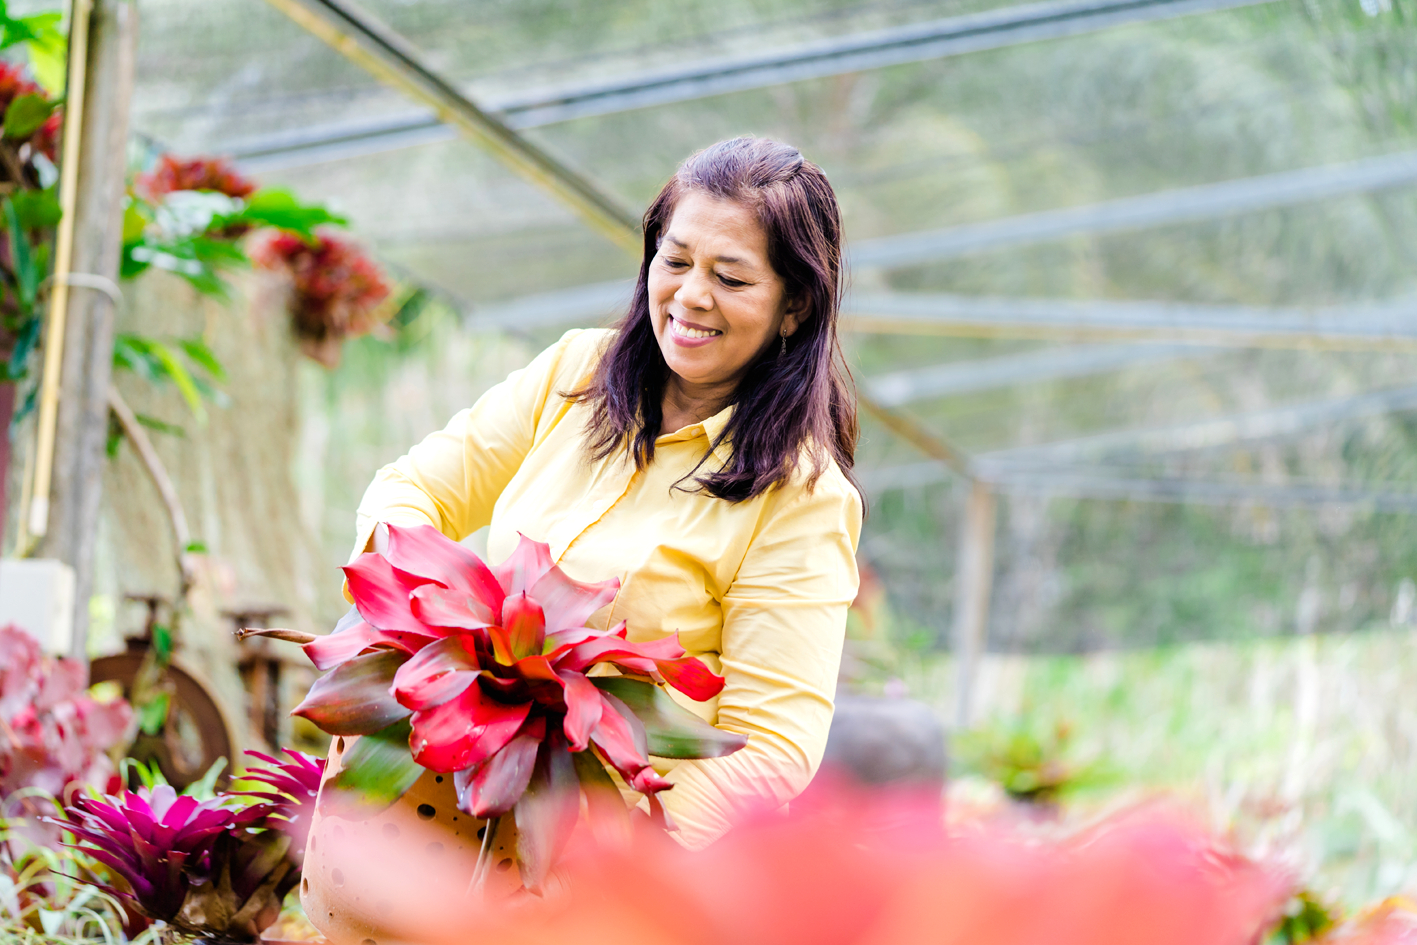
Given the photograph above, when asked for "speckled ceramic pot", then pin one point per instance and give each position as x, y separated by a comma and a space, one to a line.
401, 877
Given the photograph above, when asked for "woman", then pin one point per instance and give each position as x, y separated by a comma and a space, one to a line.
701, 452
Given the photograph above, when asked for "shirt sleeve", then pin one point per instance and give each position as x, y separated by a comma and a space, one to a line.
784, 624
452, 479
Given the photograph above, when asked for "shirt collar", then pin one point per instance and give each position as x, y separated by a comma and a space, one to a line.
708, 429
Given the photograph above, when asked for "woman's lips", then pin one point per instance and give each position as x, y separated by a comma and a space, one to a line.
689, 335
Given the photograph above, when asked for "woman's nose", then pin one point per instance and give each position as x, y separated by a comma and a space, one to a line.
695, 291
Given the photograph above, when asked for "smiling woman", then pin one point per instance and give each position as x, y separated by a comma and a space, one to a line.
700, 452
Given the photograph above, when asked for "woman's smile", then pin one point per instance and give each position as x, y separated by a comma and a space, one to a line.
689, 335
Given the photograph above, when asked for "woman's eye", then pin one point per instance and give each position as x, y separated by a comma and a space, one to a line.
675, 263
731, 283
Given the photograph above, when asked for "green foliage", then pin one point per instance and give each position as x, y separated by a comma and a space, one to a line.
26, 114
281, 210
160, 362
1307, 918
42, 38
1031, 761
152, 716
196, 234
377, 771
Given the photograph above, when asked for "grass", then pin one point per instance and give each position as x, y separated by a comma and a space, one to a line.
1303, 748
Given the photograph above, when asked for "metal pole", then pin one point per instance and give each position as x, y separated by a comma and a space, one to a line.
70, 523
974, 582
370, 44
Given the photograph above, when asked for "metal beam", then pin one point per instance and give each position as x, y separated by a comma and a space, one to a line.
875, 49
1117, 485
1387, 326
1164, 208
1059, 468
1212, 433
576, 306
915, 433
1360, 327
974, 585
370, 44
972, 376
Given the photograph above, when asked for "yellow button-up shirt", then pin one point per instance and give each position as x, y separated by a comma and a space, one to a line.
757, 589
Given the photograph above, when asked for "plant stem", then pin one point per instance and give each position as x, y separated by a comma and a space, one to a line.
479, 871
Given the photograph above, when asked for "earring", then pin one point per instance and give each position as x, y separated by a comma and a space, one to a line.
783, 351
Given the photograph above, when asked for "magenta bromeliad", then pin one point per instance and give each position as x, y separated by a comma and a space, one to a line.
449, 665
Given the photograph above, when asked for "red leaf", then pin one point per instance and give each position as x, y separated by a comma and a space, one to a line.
354, 699
546, 814
537, 668
613, 650
494, 787
439, 672
622, 740
558, 644
332, 649
691, 677
525, 624
501, 645
427, 552
583, 708
441, 607
525, 567
465, 731
567, 603
381, 594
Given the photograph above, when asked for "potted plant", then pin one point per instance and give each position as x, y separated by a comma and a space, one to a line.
468, 728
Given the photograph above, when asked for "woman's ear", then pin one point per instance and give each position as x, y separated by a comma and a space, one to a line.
795, 315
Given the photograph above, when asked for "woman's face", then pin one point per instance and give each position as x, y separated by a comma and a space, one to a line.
715, 302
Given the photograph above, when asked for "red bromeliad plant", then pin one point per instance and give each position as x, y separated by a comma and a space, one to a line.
56, 736
172, 174
337, 290
219, 867
448, 665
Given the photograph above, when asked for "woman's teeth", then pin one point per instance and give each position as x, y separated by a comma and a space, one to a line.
688, 332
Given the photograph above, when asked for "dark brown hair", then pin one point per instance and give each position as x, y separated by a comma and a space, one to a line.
789, 404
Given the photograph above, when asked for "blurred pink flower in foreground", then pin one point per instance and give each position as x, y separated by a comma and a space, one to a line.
858, 869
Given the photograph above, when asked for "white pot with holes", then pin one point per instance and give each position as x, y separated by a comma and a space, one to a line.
403, 876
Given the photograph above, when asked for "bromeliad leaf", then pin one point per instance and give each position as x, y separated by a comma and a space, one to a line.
376, 771
353, 698
546, 814
673, 731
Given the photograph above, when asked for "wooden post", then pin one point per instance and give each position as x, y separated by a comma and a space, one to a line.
974, 580
70, 506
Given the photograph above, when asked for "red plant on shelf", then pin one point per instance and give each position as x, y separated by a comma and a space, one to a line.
173, 173
448, 665
337, 290
39, 127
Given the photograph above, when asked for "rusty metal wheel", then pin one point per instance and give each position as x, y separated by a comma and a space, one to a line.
196, 733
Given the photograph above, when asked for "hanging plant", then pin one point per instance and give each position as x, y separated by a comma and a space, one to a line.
337, 291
